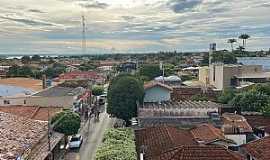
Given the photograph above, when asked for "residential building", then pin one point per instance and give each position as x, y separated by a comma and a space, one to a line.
260, 124
257, 150
176, 113
80, 75
236, 128
32, 112
157, 92
23, 138
169, 143
223, 76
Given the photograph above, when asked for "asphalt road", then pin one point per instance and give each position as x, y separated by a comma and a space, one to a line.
93, 135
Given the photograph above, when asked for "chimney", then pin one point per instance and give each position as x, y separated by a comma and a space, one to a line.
44, 81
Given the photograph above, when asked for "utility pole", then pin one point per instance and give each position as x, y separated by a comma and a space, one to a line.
83, 35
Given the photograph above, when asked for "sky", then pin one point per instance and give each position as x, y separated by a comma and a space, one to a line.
130, 26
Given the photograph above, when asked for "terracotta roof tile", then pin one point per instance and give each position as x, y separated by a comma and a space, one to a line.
198, 153
32, 112
17, 134
234, 121
259, 149
207, 133
159, 139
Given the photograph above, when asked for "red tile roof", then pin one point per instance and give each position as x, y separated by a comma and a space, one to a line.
153, 84
260, 122
169, 143
234, 121
159, 139
198, 153
32, 112
207, 133
259, 149
18, 134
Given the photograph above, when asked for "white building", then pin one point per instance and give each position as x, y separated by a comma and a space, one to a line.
157, 92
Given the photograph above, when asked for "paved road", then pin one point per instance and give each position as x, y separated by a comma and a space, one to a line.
93, 135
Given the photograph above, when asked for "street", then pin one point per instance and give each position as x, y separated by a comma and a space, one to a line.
93, 135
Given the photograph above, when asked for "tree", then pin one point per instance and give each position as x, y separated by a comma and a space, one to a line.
66, 122
124, 93
224, 57
244, 38
117, 144
226, 96
26, 59
36, 58
232, 41
250, 101
97, 90
150, 70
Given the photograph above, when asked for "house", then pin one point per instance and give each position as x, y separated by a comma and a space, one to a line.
260, 124
61, 97
236, 128
157, 92
209, 135
32, 112
257, 150
176, 113
23, 138
169, 143
80, 75
127, 67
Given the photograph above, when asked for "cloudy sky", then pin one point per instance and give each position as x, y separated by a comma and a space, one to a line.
54, 26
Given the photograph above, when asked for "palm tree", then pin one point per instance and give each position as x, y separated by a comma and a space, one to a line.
232, 41
244, 38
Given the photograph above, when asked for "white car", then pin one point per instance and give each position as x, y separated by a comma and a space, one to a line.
75, 141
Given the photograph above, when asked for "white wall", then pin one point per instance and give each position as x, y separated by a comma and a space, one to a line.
12, 101
237, 138
157, 94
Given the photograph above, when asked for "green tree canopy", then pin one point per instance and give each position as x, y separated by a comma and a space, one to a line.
26, 59
123, 94
250, 100
118, 144
224, 57
97, 90
150, 70
36, 58
67, 122
226, 96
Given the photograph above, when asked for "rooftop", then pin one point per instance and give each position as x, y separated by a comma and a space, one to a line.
17, 134
154, 84
169, 143
32, 112
28, 83
177, 109
234, 121
198, 153
207, 133
59, 91
259, 149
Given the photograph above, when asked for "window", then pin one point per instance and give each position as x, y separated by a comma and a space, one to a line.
24, 101
6, 102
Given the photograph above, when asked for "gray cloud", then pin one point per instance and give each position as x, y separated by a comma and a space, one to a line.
183, 5
93, 4
36, 11
28, 21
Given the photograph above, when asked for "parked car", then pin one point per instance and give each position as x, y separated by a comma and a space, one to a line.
75, 141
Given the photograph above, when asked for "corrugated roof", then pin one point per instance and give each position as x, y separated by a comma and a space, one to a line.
58, 92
